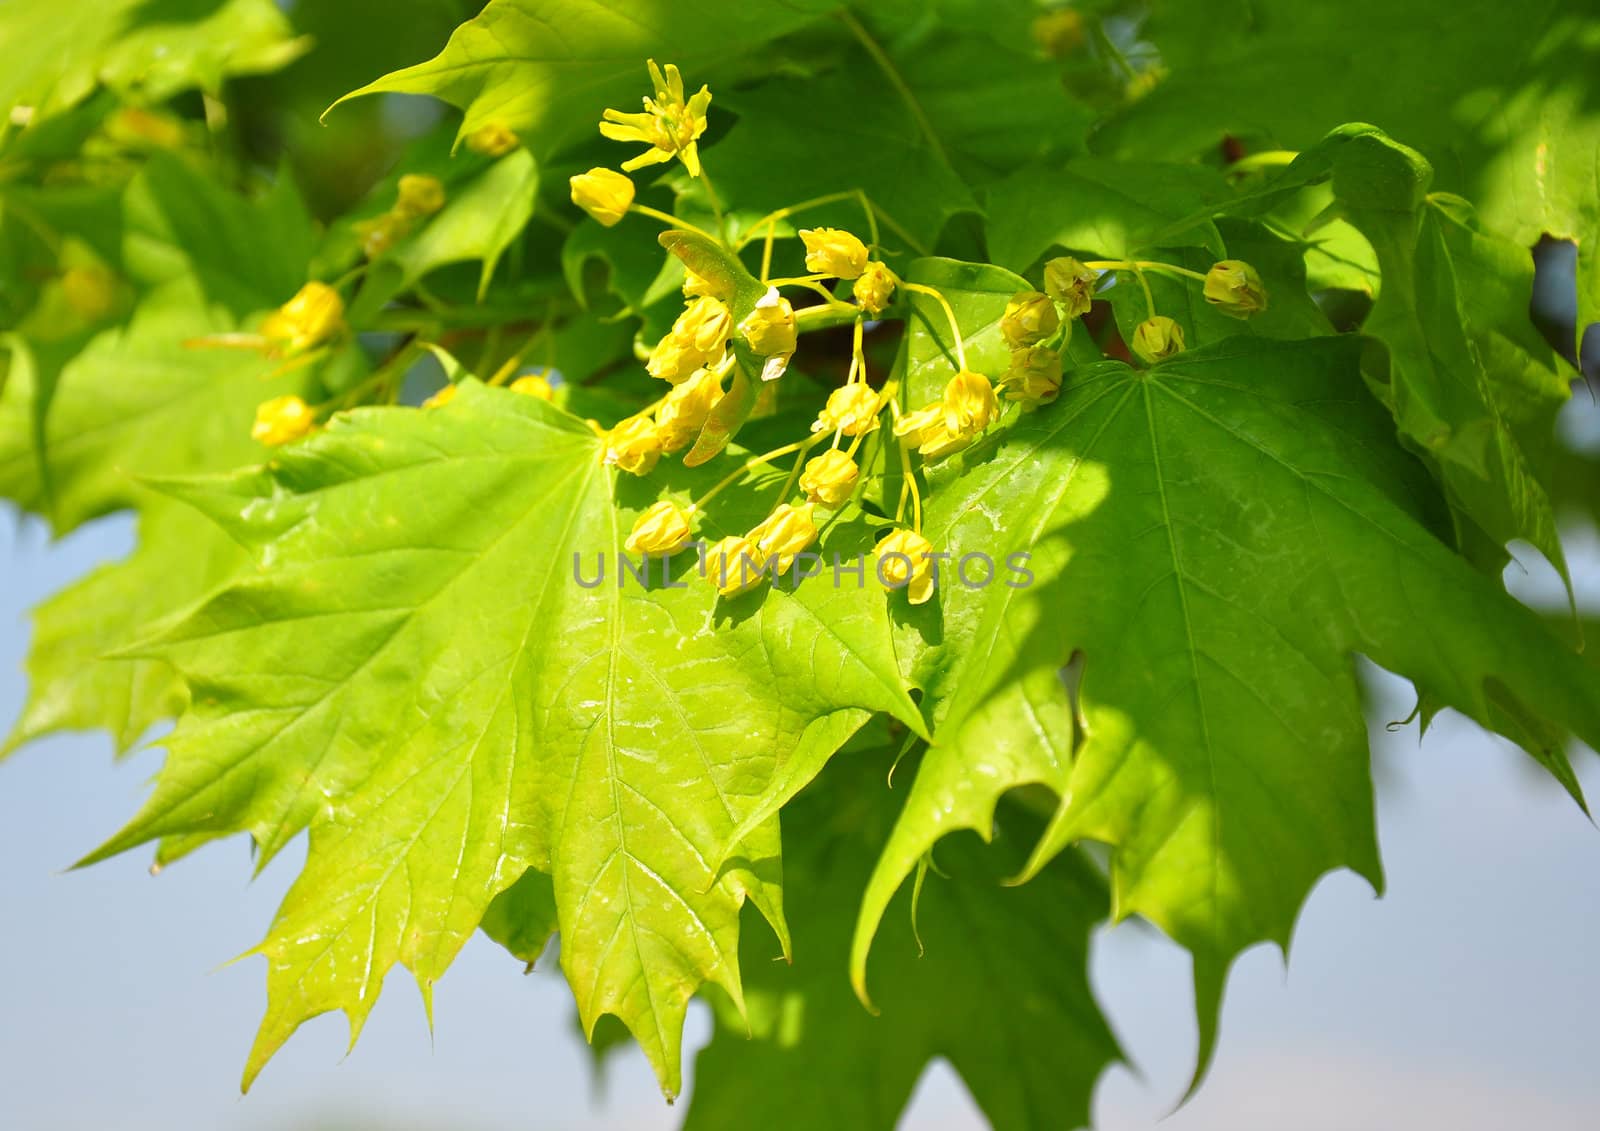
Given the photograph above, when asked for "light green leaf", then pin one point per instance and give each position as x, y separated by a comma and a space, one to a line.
995, 981
1218, 538
545, 69
62, 50
416, 673
1496, 95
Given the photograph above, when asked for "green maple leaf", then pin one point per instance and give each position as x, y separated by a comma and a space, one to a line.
414, 672
1217, 538
81, 421
1494, 94
995, 981
545, 69
146, 49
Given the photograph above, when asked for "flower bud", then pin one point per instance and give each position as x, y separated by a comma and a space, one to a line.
443, 397
313, 316
1234, 287
852, 409
1034, 377
698, 338
681, 417
1030, 318
381, 233
970, 405
926, 429
492, 140
905, 562
420, 195
1156, 338
832, 251
770, 332
1071, 284
786, 531
875, 289
663, 529
1059, 33
733, 565
534, 385
604, 194
282, 419
695, 286
633, 445
830, 479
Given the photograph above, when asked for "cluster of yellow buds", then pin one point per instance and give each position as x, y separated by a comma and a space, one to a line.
636, 444
418, 197
947, 425
697, 339
738, 563
313, 317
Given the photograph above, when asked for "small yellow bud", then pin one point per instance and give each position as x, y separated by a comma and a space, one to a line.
698, 338
420, 195
1071, 284
492, 140
1234, 287
926, 428
1030, 318
1034, 377
852, 409
874, 291
443, 397
733, 565
833, 251
663, 529
770, 332
1059, 33
830, 479
313, 316
905, 562
681, 417
786, 532
282, 419
970, 405
381, 233
694, 286
1156, 338
533, 385
633, 445
604, 194
91, 292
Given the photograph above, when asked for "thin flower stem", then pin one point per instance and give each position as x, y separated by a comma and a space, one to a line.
949, 313
1143, 265
716, 206
794, 474
1149, 298
897, 80
670, 220
750, 465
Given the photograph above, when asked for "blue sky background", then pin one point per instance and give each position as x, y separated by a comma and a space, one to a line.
1465, 999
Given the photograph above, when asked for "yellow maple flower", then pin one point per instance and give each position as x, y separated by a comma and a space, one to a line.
875, 289
315, 315
771, 332
833, 251
970, 405
1234, 287
784, 533
669, 124
663, 530
698, 338
419, 195
733, 565
633, 445
683, 414
604, 194
282, 419
1034, 377
852, 409
1029, 319
905, 562
1156, 338
534, 385
830, 479
1071, 284
492, 140
927, 430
